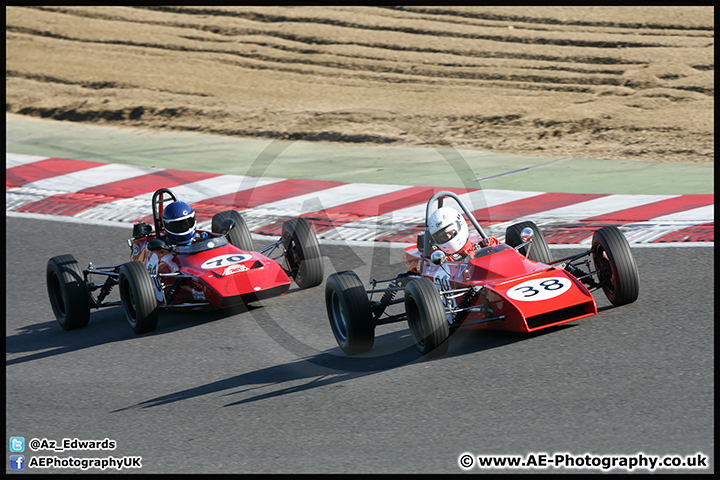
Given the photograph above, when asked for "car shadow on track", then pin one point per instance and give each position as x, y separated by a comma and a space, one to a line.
47, 339
107, 325
393, 350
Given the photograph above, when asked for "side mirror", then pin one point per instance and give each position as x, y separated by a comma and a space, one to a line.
227, 225
437, 257
156, 244
526, 235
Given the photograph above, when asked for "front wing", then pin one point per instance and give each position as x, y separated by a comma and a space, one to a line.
536, 301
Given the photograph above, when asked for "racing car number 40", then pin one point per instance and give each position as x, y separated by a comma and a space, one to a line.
225, 260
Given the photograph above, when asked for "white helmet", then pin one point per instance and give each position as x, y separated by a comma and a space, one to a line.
449, 230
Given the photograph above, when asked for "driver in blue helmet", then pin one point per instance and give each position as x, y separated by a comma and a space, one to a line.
179, 222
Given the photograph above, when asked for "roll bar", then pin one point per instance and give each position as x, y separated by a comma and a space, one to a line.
157, 206
439, 196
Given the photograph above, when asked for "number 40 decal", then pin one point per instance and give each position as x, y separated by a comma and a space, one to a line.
539, 289
225, 260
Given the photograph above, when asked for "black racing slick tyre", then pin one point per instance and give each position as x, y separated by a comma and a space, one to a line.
240, 235
302, 253
617, 270
68, 293
137, 294
426, 317
539, 250
348, 309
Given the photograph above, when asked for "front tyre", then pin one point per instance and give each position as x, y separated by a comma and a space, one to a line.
69, 297
426, 317
137, 294
302, 253
616, 266
239, 235
348, 309
539, 250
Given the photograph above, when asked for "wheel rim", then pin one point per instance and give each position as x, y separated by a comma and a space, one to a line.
604, 268
292, 258
338, 317
296, 265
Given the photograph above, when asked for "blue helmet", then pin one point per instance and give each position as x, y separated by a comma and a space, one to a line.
179, 222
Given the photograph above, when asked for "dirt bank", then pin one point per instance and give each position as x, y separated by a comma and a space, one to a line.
604, 82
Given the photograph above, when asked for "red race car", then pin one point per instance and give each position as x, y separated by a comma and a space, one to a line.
455, 280
176, 266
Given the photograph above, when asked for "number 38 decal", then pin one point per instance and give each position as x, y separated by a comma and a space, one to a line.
539, 289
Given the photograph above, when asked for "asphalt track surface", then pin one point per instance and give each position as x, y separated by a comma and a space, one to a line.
267, 390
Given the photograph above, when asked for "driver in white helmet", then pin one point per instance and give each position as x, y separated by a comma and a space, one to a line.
451, 234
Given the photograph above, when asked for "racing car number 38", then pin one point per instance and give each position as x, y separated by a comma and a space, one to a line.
539, 289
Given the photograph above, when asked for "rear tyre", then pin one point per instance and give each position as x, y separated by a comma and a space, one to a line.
426, 317
240, 234
138, 297
348, 309
616, 266
539, 251
302, 253
69, 297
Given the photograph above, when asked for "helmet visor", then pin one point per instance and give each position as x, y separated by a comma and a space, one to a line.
180, 226
447, 233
